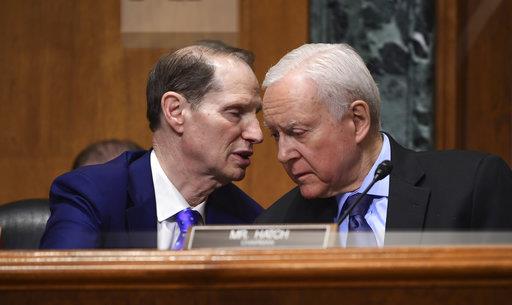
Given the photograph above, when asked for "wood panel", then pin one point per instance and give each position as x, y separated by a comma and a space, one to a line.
488, 77
67, 81
474, 76
447, 76
439, 275
270, 28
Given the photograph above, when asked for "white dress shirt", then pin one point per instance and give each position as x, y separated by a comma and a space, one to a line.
169, 201
377, 212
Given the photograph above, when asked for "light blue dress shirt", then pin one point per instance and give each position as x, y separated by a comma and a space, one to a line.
377, 212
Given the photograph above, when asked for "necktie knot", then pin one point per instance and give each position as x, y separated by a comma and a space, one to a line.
185, 219
362, 206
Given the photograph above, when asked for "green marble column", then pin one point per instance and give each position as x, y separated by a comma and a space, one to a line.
396, 40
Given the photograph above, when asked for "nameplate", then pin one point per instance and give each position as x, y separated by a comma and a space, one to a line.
262, 236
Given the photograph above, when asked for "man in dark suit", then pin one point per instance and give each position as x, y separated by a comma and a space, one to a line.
323, 108
201, 105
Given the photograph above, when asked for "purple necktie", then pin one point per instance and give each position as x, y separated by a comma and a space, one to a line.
360, 234
185, 219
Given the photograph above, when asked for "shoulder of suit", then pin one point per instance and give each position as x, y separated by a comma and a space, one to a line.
291, 196
109, 176
233, 197
458, 162
461, 157
283, 204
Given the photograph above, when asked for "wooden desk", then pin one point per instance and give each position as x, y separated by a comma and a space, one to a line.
441, 275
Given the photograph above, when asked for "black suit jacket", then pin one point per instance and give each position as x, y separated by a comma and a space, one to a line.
444, 190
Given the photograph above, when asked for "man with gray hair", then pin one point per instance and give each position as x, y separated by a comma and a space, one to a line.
201, 106
322, 107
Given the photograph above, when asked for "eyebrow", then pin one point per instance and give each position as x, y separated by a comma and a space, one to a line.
291, 124
288, 126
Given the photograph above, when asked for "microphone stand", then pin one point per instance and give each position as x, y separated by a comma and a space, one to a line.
382, 171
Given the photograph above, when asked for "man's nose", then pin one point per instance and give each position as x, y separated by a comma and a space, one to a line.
252, 131
285, 150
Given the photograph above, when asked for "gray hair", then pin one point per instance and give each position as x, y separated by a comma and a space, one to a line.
339, 73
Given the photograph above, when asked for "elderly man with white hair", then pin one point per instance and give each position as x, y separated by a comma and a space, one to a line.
322, 107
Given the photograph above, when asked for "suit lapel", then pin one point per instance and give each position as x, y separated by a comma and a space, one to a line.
407, 204
141, 212
230, 205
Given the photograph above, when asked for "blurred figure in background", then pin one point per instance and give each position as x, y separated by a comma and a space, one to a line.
103, 151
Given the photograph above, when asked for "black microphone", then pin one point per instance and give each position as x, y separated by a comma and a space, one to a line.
382, 171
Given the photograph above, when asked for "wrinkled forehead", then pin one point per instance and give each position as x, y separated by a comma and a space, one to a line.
292, 89
291, 99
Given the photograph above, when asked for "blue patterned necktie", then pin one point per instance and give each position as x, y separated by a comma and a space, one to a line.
185, 219
360, 234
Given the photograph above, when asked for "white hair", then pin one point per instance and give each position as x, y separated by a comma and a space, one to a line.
339, 73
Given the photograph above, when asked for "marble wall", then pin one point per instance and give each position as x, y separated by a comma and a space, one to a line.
396, 40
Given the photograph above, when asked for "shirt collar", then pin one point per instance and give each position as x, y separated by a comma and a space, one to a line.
169, 200
381, 188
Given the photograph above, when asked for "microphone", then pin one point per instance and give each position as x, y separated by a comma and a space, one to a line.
382, 171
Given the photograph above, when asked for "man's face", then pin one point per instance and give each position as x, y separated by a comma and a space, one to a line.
318, 151
220, 133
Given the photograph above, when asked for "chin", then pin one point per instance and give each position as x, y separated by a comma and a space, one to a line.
309, 191
238, 178
236, 175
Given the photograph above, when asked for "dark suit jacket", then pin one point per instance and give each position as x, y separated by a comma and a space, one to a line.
113, 206
445, 190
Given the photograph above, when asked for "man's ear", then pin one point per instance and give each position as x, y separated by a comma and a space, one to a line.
173, 104
361, 118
